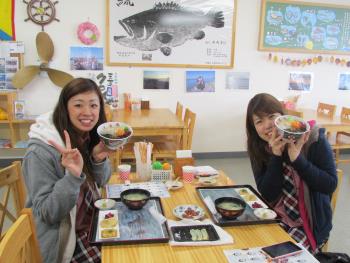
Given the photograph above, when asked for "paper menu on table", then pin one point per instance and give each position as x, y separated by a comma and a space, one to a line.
255, 255
155, 188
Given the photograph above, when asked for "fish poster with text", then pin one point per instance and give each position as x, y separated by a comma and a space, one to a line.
175, 33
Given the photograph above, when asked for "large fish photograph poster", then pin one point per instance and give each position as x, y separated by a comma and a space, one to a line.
171, 33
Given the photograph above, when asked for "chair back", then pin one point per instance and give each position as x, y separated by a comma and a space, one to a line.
179, 110
326, 110
345, 115
20, 243
189, 119
12, 194
295, 113
109, 113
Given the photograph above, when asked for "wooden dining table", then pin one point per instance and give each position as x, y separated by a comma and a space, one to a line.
153, 122
244, 236
331, 125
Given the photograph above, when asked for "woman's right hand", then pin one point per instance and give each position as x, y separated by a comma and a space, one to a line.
71, 158
277, 143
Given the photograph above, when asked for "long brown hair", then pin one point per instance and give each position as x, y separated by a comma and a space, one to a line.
62, 121
260, 105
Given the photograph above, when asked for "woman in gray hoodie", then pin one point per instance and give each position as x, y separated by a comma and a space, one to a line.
63, 167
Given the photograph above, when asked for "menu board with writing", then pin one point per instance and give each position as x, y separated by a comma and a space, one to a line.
304, 27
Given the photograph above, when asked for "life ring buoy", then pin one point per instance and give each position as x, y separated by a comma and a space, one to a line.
88, 33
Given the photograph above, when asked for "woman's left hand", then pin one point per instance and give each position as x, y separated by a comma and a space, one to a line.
100, 152
294, 147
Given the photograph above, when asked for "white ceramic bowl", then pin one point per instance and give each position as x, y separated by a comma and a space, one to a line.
265, 213
283, 124
107, 132
105, 204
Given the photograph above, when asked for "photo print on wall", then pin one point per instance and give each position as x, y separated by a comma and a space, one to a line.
301, 81
200, 81
86, 58
237, 80
344, 81
156, 79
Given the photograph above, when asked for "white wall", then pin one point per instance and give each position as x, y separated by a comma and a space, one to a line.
220, 123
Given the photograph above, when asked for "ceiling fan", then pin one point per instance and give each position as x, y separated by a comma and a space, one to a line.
44, 46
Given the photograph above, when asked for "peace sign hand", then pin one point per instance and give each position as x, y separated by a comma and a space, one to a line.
71, 158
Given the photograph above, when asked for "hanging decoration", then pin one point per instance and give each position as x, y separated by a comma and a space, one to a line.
41, 12
88, 33
302, 62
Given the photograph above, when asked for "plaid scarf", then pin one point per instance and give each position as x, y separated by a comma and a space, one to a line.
84, 252
291, 206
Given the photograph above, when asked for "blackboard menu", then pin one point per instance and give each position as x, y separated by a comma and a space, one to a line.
304, 27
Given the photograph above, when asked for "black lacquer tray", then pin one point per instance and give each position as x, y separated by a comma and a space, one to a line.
134, 226
253, 199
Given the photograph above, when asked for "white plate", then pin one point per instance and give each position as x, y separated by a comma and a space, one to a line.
180, 212
105, 204
265, 213
173, 185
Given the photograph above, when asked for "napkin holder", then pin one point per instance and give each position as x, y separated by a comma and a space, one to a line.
179, 162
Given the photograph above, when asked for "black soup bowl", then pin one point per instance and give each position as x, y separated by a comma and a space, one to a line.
230, 207
135, 199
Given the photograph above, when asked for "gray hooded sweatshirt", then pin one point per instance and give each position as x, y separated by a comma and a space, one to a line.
52, 192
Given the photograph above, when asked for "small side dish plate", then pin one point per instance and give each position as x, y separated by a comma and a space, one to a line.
108, 225
194, 233
265, 213
207, 180
105, 204
188, 212
173, 185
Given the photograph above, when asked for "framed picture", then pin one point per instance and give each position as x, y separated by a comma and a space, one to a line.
301, 81
295, 26
161, 33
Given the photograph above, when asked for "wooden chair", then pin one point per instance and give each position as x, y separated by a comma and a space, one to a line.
334, 200
167, 149
12, 192
295, 113
179, 110
127, 152
341, 140
20, 243
326, 110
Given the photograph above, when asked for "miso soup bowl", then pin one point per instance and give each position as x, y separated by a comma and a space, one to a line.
107, 132
230, 213
129, 198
